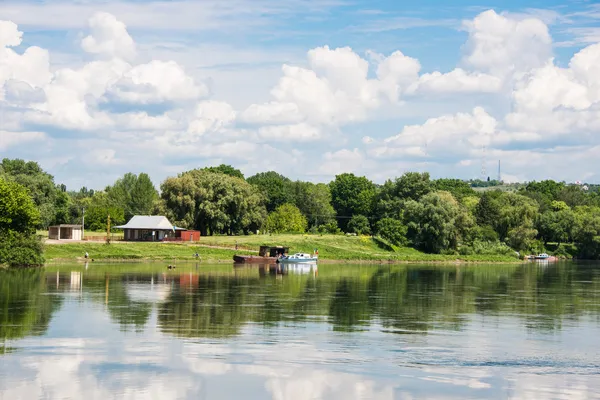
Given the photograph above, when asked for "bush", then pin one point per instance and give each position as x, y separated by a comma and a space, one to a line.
359, 224
487, 248
392, 231
330, 227
21, 250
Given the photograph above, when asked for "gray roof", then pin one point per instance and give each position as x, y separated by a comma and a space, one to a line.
149, 222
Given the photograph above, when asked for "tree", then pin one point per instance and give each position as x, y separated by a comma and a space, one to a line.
586, 232
487, 211
521, 238
393, 194
99, 207
437, 222
574, 196
556, 226
134, 194
287, 218
18, 219
392, 230
314, 201
226, 170
359, 224
459, 188
351, 195
515, 211
276, 188
213, 203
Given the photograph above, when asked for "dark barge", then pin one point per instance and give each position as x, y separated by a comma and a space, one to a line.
266, 255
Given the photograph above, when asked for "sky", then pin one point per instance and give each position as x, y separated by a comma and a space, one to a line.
308, 88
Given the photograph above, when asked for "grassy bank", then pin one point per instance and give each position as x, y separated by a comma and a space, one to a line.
222, 248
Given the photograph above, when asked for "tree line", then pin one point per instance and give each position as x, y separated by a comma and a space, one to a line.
448, 216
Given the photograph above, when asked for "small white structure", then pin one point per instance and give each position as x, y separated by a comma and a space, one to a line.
65, 232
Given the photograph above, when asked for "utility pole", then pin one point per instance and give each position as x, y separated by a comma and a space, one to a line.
108, 230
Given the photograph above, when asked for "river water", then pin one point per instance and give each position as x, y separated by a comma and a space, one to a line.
136, 331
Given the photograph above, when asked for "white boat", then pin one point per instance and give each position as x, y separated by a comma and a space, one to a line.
299, 258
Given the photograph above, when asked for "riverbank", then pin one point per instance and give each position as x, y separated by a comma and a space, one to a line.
332, 248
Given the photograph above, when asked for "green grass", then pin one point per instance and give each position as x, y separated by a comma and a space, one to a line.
134, 251
331, 247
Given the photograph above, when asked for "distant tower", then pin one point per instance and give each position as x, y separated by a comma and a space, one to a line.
483, 164
499, 174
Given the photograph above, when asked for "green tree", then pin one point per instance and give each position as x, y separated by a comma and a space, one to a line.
359, 224
39, 183
522, 238
487, 211
287, 218
314, 201
213, 203
18, 219
393, 194
351, 195
392, 230
226, 170
515, 211
99, 207
459, 188
437, 222
276, 188
586, 232
556, 226
134, 194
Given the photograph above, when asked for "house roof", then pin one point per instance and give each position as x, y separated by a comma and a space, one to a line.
65, 226
150, 222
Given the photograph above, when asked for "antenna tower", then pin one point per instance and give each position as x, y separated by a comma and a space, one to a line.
499, 174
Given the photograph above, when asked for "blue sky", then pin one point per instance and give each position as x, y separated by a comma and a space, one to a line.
308, 88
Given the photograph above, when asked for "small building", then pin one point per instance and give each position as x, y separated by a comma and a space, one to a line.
147, 228
186, 235
65, 232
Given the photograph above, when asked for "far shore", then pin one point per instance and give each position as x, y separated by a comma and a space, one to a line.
333, 249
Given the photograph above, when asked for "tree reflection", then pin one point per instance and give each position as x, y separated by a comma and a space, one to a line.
402, 299
25, 307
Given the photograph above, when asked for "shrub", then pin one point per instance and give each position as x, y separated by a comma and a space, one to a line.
359, 224
392, 231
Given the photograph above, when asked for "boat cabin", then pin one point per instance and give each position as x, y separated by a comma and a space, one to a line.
273, 251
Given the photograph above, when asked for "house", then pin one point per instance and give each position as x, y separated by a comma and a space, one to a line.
147, 228
65, 232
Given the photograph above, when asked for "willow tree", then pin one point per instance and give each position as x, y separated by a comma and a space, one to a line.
213, 203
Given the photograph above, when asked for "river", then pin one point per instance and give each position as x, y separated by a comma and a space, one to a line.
137, 331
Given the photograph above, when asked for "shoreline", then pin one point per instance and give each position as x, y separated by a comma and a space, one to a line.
80, 260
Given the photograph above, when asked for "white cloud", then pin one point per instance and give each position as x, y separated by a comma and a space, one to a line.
457, 81
502, 46
108, 38
9, 139
273, 112
296, 132
154, 83
446, 136
560, 101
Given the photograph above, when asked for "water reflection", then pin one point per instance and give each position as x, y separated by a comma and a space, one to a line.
339, 332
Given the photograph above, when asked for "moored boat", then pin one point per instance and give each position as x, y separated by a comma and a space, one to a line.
299, 258
266, 255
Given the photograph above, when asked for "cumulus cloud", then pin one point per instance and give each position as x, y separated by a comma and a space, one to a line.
441, 137
334, 91
108, 38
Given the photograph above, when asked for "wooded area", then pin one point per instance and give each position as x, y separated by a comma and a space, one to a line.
443, 216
